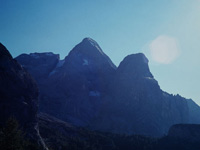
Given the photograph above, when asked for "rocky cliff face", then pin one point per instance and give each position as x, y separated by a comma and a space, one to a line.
137, 105
18, 95
87, 89
74, 88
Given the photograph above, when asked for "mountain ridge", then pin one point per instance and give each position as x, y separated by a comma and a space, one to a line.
90, 90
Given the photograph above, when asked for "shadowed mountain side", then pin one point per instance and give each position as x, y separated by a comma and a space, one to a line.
137, 105
18, 96
87, 89
185, 131
74, 89
60, 135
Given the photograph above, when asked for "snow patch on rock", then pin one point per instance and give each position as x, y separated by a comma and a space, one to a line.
149, 78
85, 62
94, 43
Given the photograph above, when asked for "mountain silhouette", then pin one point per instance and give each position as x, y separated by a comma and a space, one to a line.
87, 89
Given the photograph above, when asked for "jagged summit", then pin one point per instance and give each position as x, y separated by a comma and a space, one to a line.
138, 57
43, 63
44, 53
89, 51
37, 55
88, 46
4, 51
136, 65
88, 39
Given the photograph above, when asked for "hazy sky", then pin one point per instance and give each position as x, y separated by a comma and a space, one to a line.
167, 31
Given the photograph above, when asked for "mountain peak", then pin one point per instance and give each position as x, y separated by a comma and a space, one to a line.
88, 45
88, 39
4, 51
89, 51
136, 64
138, 57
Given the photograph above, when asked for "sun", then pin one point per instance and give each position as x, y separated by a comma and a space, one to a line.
164, 49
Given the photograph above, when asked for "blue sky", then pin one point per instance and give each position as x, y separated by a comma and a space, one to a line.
167, 31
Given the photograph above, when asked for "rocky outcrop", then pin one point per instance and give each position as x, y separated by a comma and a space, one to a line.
18, 95
87, 89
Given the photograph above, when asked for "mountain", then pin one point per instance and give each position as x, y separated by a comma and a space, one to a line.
73, 88
60, 135
137, 105
87, 89
41, 65
18, 96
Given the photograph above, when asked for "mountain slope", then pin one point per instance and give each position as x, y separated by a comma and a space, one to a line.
75, 85
87, 89
18, 95
60, 135
137, 105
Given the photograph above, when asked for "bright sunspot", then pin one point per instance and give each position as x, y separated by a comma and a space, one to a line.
164, 49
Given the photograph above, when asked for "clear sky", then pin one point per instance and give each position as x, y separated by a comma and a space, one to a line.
167, 31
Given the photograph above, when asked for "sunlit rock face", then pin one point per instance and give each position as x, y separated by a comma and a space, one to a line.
18, 95
87, 89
